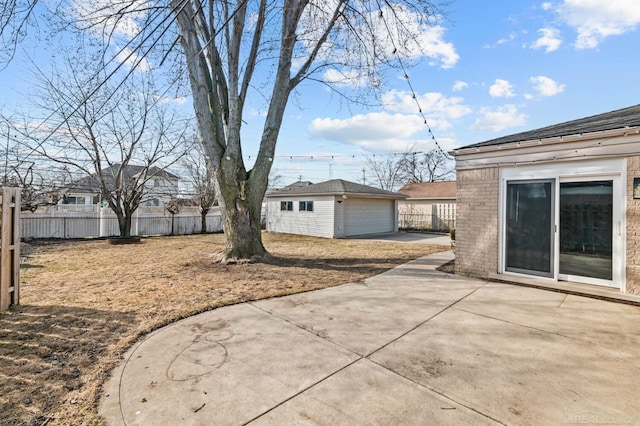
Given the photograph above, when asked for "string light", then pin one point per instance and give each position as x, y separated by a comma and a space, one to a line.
337, 156
413, 92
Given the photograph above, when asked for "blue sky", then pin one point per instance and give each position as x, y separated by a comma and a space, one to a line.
522, 65
495, 67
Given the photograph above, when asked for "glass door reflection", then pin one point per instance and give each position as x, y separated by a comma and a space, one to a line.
529, 227
586, 229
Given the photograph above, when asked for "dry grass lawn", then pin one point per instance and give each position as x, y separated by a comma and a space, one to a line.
84, 303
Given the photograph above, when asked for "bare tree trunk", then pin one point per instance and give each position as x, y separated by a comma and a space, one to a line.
203, 220
124, 224
241, 205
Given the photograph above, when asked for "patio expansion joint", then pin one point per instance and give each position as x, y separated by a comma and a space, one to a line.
367, 357
437, 392
283, 318
443, 395
425, 321
300, 392
576, 339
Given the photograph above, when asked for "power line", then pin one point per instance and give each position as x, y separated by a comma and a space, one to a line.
174, 13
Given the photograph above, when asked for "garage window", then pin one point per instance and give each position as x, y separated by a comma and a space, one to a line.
306, 206
286, 206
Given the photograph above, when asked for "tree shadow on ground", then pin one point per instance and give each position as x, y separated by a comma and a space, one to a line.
355, 265
48, 355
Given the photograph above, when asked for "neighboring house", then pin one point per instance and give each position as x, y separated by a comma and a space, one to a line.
161, 187
560, 203
332, 209
430, 205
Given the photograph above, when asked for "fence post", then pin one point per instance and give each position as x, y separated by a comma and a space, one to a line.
10, 249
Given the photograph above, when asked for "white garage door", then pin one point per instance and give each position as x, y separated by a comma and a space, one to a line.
364, 216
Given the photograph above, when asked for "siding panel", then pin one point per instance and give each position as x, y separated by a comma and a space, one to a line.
318, 223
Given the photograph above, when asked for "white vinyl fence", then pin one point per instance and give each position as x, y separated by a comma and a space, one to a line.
105, 224
441, 217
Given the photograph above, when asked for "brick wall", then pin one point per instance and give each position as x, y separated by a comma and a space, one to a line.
477, 221
633, 228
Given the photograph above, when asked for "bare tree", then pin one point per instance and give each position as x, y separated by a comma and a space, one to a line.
38, 185
275, 178
430, 166
14, 19
37, 189
299, 38
200, 176
385, 171
231, 48
119, 141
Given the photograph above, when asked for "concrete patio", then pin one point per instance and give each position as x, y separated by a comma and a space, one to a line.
410, 346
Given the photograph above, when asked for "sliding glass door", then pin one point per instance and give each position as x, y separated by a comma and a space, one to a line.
568, 227
530, 227
586, 230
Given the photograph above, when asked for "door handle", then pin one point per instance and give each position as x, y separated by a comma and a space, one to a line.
619, 228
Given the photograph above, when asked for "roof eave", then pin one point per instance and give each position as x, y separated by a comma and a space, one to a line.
431, 198
624, 131
337, 194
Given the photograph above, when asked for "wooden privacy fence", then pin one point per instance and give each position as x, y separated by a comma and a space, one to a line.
431, 217
10, 250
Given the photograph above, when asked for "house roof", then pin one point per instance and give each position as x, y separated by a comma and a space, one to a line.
619, 119
429, 190
333, 187
90, 183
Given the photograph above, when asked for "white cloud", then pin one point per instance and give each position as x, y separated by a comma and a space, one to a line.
180, 100
365, 128
107, 17
550, 40
418, 39
501, 89
379, 132
546, 5
512, 36
499, 119
595, 20
131, 58
546, 86
459, 85
434, 105
346, 78
428, 39
433, 46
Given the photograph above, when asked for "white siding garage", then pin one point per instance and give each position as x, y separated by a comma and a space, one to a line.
317, 223
332, 209
369, 216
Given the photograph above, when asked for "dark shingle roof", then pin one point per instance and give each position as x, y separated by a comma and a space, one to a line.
626, 117
430, 190
333, 187
90, 183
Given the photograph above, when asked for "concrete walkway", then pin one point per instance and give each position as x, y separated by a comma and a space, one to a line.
410, 346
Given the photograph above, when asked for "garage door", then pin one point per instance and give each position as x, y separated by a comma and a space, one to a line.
364, 216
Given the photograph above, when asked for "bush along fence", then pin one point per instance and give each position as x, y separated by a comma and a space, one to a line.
105, 224
430, 217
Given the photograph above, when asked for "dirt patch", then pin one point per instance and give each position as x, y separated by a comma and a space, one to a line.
449, 267
84, 303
